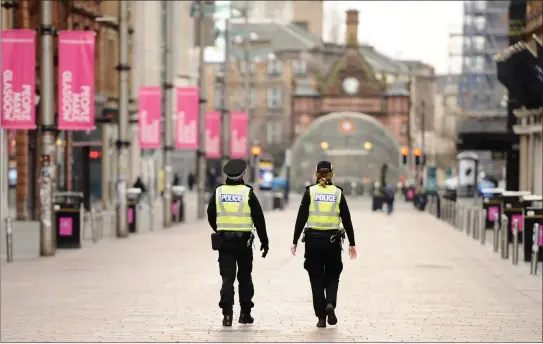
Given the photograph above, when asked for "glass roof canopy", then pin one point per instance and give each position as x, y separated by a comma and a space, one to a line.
351, 160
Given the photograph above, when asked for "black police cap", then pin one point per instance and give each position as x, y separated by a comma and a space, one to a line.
235, 167
324, 166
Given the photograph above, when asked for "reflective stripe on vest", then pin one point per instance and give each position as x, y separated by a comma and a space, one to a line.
233, 211
321, 197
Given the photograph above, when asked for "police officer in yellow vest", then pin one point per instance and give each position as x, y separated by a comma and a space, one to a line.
233, 212
321, 212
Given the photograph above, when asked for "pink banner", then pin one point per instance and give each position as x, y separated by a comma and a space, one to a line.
213, 135
239, 122
186, 133
150, 111
76, 80
18, 79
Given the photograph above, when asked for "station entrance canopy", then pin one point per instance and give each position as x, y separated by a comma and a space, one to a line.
356, 144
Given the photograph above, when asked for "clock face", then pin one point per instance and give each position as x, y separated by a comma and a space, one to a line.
350, 85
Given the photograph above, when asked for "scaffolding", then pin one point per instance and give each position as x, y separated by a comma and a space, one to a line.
484, 34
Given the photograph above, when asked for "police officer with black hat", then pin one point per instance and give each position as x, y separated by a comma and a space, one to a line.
233, 212
322, 210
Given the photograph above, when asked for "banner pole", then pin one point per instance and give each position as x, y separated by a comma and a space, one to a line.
47, 122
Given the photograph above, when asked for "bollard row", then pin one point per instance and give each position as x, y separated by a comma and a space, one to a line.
472, 220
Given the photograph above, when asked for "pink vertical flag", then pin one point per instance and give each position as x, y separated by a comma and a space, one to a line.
187, 112
150, 110
213, 135
76, 80
18, 79
239, 122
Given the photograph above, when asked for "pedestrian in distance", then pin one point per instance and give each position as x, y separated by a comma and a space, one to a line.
233, 212
322, 211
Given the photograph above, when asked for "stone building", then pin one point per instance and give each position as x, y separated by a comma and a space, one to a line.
374, 114
530, 122
76, 15
370, 92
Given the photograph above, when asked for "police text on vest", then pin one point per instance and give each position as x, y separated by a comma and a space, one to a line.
325, 198
231, 198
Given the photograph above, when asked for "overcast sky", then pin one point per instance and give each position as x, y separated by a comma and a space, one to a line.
411, 30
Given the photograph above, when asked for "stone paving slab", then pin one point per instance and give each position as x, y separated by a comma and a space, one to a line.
416, 279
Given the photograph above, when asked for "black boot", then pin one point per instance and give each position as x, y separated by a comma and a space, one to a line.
332, 319
246, 318
322, 322
227, 320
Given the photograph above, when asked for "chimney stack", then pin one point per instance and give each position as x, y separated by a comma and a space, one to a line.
351, 29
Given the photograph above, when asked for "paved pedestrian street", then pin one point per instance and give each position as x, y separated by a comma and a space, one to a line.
415, 279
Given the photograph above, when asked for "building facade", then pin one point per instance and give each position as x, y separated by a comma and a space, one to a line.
269, 100
530, 122
350, 84
306, 14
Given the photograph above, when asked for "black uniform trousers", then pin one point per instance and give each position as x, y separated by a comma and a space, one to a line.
234, 254
324, 266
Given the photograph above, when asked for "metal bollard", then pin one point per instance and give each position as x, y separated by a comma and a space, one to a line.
505, 243
468, 220
496, 233
460, 218
453, 212
9, 239
515, 242
535, 249
151, 214
475, 223
482, 225
94, 228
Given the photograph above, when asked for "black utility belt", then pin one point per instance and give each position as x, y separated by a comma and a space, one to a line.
321, 232
219, 237
235, 235
334, 235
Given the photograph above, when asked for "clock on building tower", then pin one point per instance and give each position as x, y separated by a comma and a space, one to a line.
350, 85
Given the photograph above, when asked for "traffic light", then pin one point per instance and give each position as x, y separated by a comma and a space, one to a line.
405, 152
256, 151
95, 155
418, 153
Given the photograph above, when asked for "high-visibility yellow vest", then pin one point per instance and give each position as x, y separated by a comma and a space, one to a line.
324, 207
233, 211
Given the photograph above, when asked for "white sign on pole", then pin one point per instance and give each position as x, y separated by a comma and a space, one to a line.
288, 157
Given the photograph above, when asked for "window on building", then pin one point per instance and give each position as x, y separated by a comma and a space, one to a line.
252, 68
300, 67
275, 99
219, 69
275, 67
403, 128
217, 97
252, 98
274, 132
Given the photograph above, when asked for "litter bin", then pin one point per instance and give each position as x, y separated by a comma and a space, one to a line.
178, 203
492, 203
68, 210
133, 198
532, 216
410, 194
513, 210
278, 198
377, 200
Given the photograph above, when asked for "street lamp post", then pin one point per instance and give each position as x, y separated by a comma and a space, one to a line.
168, 112
47, 175
201, 117
225, 111
123, 142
